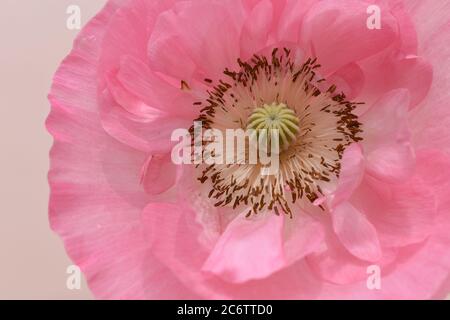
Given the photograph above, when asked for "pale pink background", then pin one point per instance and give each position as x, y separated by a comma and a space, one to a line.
34, 38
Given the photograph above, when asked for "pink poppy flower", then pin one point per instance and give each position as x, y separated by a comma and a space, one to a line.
363, 182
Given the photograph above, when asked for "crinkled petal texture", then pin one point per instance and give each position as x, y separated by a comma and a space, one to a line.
141, 227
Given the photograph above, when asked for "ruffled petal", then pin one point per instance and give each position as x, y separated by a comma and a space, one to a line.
149, 136
349, 79
337, 33
356, 232
389, 71
248, 249
96, 199
241, 253
206, 32
431, 122
159, 174
350, 176
403, 214
256, 29
387, 139
291, 20
142, 82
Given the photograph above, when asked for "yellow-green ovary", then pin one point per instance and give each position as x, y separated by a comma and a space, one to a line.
275, 116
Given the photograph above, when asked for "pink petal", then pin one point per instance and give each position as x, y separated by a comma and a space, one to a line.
356, 233
349, 79
95, 202
127, 102
432, 167
132, 104
399, 66
337, 33
159, 174
248, 249
428, 8
391, 163
137, 132
351, 175
243, 233
431, 122
207, 32
291, 19
388, 71
386, 138
406, 214
127, 32
257, 26
172, 234
414, 73
303, 236
403, 214
136, 77
407, 28
413, 207
338, 266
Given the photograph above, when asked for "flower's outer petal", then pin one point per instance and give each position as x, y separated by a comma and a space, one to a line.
424, 249
148, 136
408, 42
356, 232
397, 66
403, 214
95, 202
389, 71
398, 280
432, 166
133, 122
337, 33
207, 33
418, 9
128, 31
248, 249
431, 122
291, 19
175, 242
407, 213
392, 163
350, 176
252, 249
337, 265
256, 29
153, 108
174, 238
349, 79
159, 174
429, 259
137, 109
139, 80
387, 138
298, 245
173, 235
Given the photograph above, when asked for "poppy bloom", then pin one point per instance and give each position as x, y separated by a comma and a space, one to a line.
358, 92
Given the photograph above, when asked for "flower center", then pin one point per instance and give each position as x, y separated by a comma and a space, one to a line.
276, 116
315, 127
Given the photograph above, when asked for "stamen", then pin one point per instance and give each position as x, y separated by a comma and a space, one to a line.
315, 128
